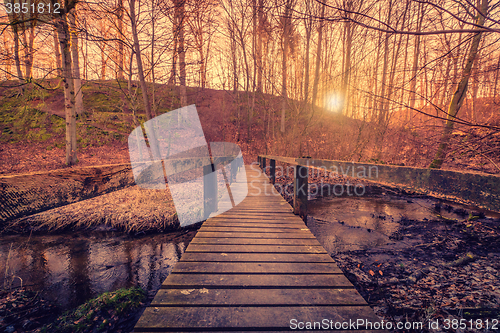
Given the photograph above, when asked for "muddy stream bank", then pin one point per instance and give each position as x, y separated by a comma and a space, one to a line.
414, 258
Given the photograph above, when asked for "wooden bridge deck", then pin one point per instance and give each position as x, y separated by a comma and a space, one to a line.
253, 268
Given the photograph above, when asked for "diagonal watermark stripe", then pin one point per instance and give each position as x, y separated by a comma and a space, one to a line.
204, 180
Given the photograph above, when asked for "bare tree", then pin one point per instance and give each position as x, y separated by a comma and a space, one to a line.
461, 90
318, 55
138, 58
76, 63
202, 22
286, 28
120, 34
69, 92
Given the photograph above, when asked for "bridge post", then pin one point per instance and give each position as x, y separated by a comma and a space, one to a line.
272, 171
209, 190
264, 164
300, 191
258, 161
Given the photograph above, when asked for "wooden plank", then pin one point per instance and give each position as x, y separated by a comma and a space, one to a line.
254, 241
284, 235
276, 204
255, 248
256, 215
256, 218
256, 280
270, 224
245, 297
221, 226
264, 318
229, 267
246, 331
257, 257
262, 229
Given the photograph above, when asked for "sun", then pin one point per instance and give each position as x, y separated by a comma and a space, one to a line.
334, 102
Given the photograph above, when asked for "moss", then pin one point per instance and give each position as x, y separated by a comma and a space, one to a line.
100, 313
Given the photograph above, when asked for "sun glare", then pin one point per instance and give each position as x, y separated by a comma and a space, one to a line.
334, 102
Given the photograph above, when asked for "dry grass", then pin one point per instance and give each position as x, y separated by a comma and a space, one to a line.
132, 209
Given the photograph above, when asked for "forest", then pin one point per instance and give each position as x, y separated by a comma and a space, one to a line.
410, 88
409, 82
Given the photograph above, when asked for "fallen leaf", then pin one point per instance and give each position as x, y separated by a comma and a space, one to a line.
371, 272
187, 291
380, 272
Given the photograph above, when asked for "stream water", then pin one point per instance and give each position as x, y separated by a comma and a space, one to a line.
358, 223
72, 268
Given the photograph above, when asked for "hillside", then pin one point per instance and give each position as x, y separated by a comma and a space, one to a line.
33, 130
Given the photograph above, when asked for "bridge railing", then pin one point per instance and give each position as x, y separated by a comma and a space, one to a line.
470, 188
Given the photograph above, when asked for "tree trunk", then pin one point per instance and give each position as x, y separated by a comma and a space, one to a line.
120, 61
318, 57
260, 33
8, 74
17, 60
461, 90
104, 60
475, 87
416, 54
308, 24
138, 59
57, 53
497, 74
382, 111
173, 71
28, 50
69, 93
182, 51
395, 56
346, 72
76, 63
285, 37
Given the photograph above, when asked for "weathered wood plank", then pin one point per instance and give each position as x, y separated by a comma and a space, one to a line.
245, 297
224, 234
262, 229
229, 267
255, 218
255, 248
254, 241
256, 280
266, 318
246, 331
257, 257
269, 224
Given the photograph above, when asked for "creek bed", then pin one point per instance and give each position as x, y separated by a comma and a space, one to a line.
70, 268
415, 259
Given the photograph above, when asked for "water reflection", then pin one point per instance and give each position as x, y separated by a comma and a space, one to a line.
359, 223
70, 269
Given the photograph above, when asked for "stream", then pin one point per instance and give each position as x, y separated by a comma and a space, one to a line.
360, 223
71, 268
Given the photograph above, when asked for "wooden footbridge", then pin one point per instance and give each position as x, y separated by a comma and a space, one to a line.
254, 268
